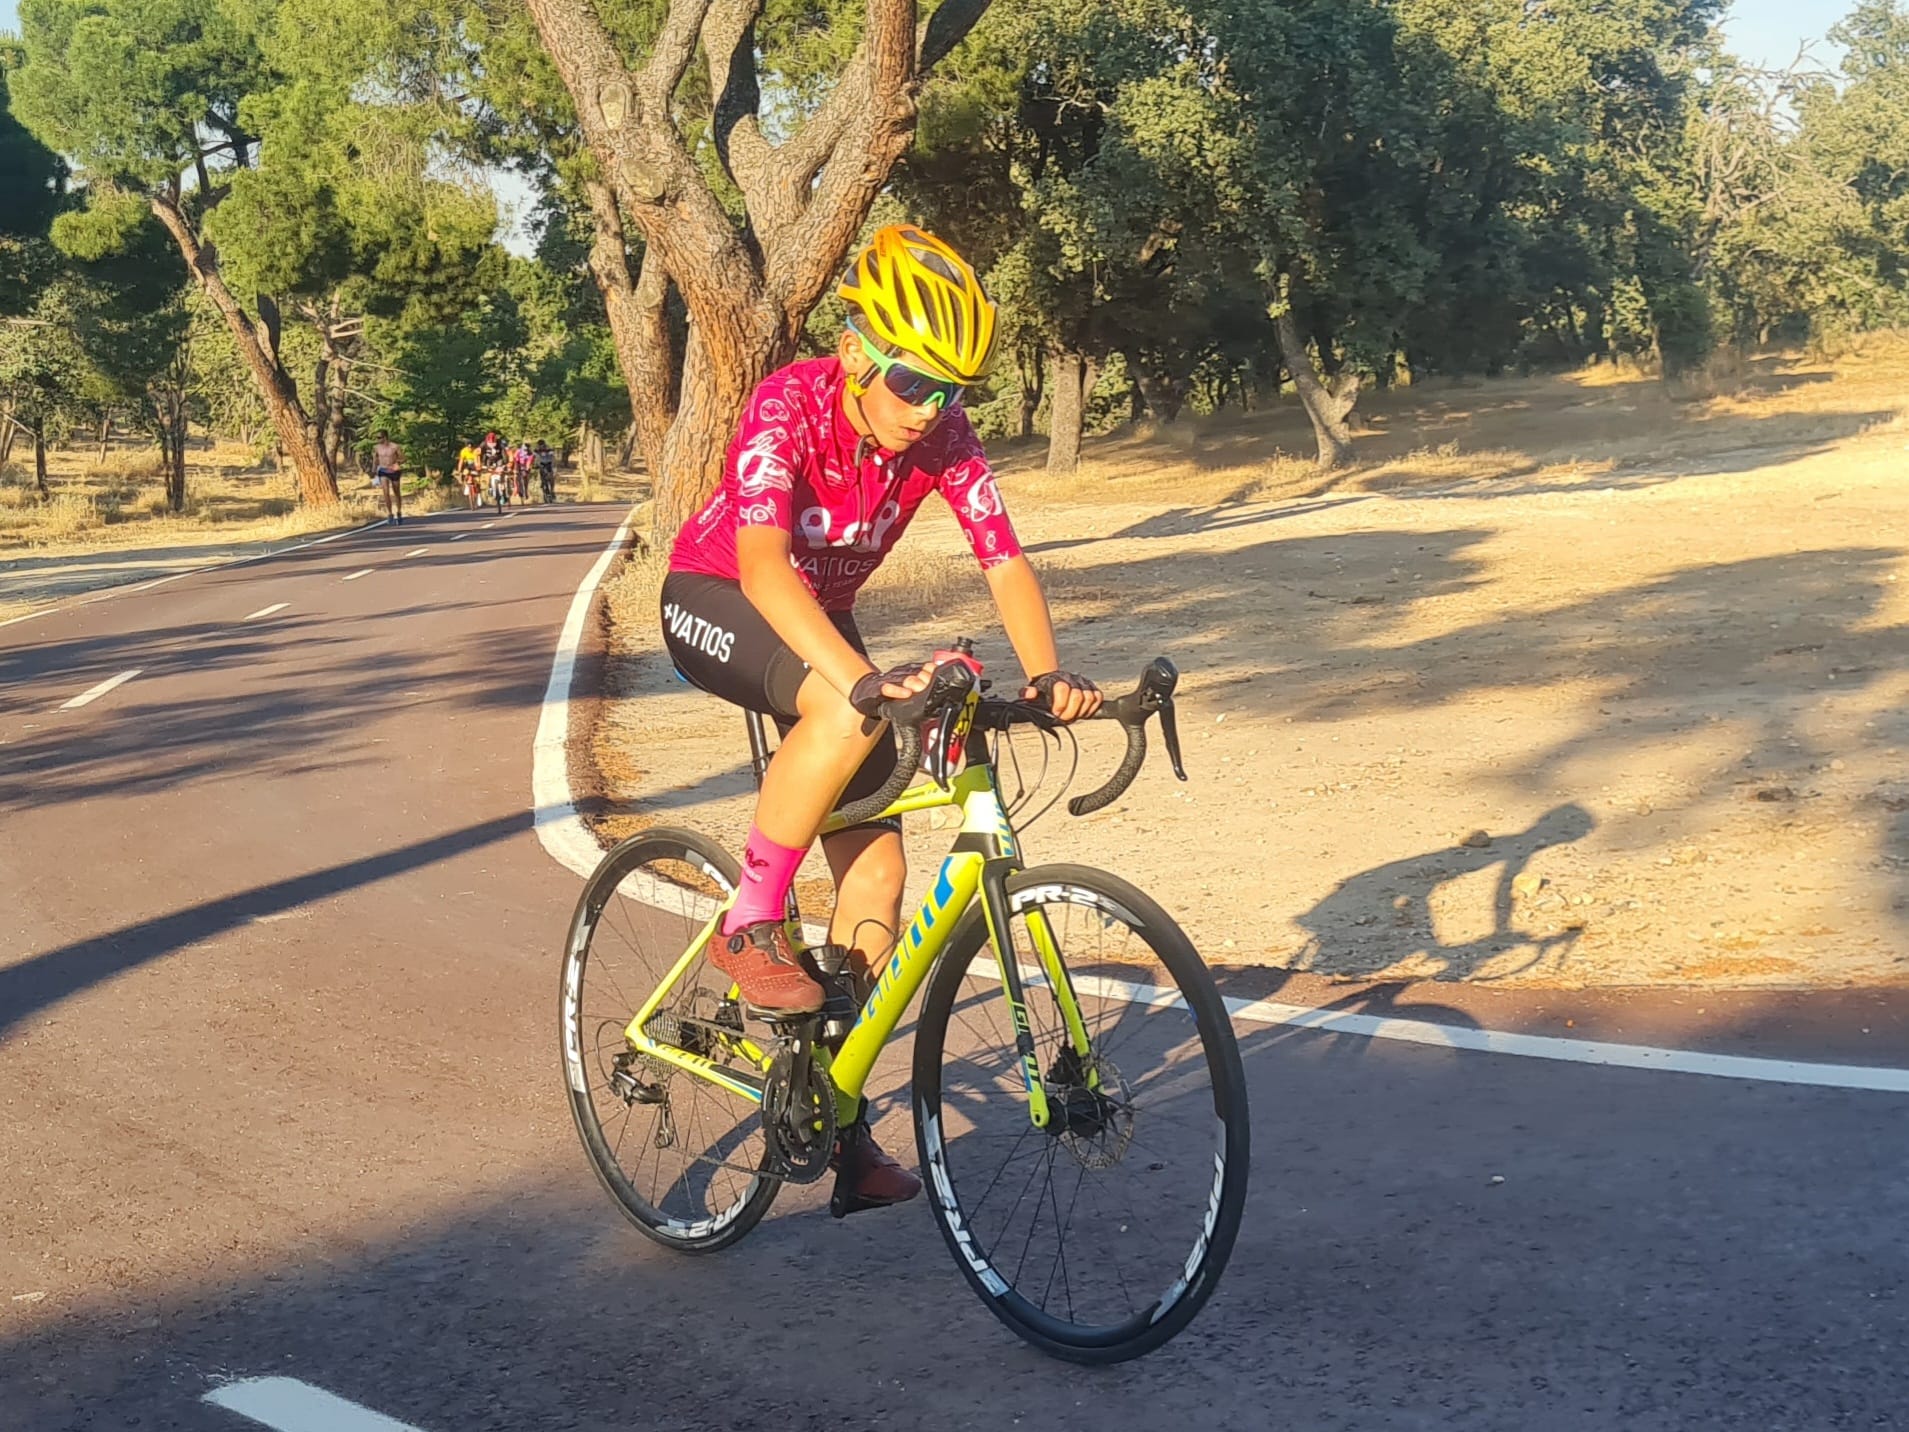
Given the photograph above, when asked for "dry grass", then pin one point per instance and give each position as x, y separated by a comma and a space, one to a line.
1601, 424
122, 501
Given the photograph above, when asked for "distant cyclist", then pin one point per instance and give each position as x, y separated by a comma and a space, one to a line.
546, 470
470, 470
494, 454
387, 467
521, 462
833, 458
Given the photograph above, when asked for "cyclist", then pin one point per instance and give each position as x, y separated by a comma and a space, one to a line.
546, 470
494, 454
521, 461
387, 467
833, 457
469, 472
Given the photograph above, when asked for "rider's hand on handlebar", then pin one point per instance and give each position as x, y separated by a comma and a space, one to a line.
1066, 696
896, 684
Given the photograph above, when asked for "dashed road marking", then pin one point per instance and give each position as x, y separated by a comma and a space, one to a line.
482, 525
460, 536
361, 572
87, 697
417, 551
288, 1405
267, 611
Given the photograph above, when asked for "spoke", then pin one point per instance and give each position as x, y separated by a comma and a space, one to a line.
1035, 1222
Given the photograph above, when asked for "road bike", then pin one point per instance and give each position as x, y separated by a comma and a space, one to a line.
547, 481
499, 488
1078, 1097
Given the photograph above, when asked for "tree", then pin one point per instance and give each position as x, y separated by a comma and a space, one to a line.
749, 227
145, 97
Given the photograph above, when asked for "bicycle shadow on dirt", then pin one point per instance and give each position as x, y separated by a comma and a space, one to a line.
1383, 919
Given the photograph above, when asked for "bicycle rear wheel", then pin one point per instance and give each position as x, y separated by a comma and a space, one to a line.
1100, 1236
681, 1157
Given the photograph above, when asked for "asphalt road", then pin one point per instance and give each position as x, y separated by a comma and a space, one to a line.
279, 1096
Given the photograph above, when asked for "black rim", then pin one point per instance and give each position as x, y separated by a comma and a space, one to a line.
1081, 1235
672, 1149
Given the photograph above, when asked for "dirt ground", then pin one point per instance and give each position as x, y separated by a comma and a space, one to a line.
1567, 684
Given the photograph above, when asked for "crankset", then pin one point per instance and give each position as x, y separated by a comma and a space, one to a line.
798, 1109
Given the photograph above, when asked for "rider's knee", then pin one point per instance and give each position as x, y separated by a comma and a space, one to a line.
877, 876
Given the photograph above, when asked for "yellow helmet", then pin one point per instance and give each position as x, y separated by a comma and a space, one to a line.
919, 298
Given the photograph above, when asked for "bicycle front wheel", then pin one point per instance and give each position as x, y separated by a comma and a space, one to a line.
681, 1157
1098, 1237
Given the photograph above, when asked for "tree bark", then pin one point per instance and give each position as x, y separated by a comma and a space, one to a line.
105, 433
1327, 408
1032, 380
747, 287
9, 430
39, 460
1067, 381
316, 482
1164, 394
639, 324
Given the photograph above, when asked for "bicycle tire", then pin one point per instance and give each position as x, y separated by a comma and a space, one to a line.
982, 1242
686, 1216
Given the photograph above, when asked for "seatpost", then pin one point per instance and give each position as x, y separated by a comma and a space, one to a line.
759, 752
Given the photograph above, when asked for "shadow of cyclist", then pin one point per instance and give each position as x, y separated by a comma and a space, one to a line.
1381, 919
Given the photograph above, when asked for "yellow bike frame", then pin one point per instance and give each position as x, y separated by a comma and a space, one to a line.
985, 853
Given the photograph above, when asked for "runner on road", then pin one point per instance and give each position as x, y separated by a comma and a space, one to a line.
387, 470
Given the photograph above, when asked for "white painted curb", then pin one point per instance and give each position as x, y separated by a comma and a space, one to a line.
554, 813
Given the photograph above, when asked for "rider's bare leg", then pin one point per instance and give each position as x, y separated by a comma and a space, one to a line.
869, 866
813, 764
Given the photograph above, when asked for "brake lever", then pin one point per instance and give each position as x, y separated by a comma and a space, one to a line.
1170, 728
942, 759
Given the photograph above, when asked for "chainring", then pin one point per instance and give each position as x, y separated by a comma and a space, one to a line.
798, 1125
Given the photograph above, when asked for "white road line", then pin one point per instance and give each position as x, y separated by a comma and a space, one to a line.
288, 1405
361, 572
1490, 1041
492, 523
267, 611
108, 593
88, 697
460, 536
570, 844
417, 551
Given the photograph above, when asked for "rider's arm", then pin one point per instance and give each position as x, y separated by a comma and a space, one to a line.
1030, 628
777, 590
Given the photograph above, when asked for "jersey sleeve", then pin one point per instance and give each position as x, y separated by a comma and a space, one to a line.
770, 448
967, 482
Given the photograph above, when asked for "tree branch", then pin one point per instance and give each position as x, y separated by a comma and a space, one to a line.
729, 42
674, 48
946, 28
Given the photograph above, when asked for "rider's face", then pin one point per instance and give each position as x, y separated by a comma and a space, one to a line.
894, 424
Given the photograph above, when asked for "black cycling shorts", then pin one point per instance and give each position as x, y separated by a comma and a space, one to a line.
723, 645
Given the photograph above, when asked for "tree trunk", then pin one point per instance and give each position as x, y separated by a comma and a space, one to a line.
748, 285
105, 433
172, 443
39, 460
316, 482
1032, 379
9, 430
1327, 408
1068, 382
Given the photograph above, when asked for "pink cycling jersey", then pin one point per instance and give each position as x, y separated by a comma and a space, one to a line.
797, 463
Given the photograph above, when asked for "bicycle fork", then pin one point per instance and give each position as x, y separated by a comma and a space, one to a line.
995, 906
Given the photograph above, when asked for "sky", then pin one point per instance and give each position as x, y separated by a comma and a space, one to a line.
1764, 32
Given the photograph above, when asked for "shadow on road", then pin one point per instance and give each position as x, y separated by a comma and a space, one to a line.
41, 980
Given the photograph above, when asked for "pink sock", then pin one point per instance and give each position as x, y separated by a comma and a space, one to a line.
768, 870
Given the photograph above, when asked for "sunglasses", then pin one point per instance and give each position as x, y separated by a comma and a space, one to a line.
913, 387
